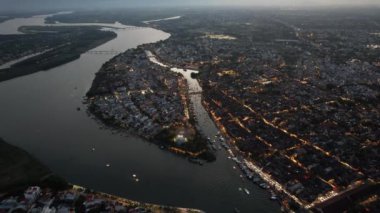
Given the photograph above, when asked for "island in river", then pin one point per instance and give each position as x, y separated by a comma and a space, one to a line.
50, 46
51, 114
273, 88
131, 92
284, 115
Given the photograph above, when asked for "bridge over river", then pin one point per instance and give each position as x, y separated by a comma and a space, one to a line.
104, 52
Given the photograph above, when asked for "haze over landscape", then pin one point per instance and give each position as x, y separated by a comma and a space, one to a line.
88, 4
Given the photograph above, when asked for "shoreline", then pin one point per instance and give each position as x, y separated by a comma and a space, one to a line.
235, 152
37, 62
55, 184
166, 117
149, 205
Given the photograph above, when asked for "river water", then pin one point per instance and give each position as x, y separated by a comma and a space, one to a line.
38, 113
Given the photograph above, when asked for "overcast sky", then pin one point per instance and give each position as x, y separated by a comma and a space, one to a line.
57, 4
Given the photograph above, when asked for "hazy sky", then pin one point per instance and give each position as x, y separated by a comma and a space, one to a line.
46, 4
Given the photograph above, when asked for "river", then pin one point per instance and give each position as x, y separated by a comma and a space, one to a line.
205, 123
39, 114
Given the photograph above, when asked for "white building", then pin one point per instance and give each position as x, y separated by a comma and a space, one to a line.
32, 193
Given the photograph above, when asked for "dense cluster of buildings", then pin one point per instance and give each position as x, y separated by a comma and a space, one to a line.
134, 93
301, 103
76, 199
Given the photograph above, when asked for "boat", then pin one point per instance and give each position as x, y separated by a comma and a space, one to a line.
273, 196
256, 179
236, 210
246, 191
264, 186
249, 176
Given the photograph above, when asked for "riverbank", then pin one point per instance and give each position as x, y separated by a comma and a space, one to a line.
70, 43
130, 92
76, 198
63, 138
27, 184
223, 139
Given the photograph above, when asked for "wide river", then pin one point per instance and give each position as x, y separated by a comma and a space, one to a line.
38, 113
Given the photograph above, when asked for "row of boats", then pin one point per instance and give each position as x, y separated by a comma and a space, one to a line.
219, 141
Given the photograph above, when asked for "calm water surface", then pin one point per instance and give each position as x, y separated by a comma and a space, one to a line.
38, 113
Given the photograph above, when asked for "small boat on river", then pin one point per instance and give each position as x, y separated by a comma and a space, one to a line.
247, 191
